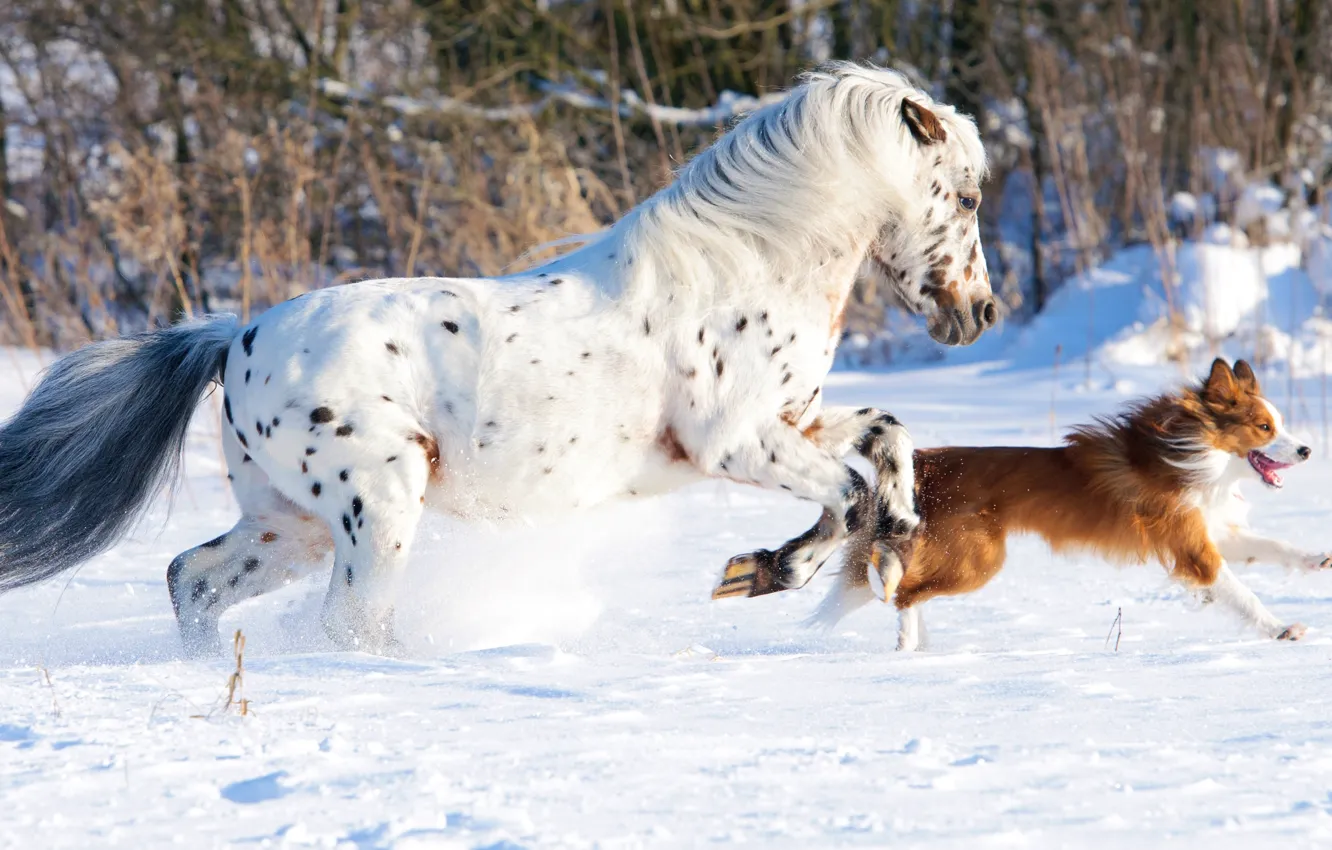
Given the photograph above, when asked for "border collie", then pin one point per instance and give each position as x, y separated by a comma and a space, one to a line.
1159, 482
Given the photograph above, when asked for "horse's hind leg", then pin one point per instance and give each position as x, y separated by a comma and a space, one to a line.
374, 508
263, 552
273, 543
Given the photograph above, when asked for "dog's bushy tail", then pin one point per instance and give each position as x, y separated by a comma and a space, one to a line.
94, 442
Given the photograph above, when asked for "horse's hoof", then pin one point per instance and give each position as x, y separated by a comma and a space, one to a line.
202, 646
752, 574
200, 638
373, 635
1294, 631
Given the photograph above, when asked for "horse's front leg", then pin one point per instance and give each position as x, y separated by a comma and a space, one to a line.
883, 441
808, 464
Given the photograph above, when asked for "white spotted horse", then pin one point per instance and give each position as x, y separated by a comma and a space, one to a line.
689, 340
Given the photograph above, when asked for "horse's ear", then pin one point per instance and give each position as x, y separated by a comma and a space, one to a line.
922, 123
1247, 379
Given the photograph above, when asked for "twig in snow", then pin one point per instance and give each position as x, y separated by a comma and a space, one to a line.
55, 703
1116, 629
236, 680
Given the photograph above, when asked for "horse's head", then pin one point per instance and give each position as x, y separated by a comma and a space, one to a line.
930, 253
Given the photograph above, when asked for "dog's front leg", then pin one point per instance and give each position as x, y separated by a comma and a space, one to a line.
1235, 595
1239, 545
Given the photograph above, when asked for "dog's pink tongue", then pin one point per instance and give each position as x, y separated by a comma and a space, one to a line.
1267, 468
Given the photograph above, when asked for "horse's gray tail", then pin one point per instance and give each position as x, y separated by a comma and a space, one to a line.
94, 442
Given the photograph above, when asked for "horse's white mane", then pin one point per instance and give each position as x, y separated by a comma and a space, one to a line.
790, 186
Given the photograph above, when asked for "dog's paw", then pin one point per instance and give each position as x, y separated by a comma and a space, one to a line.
1294, 631
1314, 563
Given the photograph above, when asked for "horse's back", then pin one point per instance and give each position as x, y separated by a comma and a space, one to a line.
529, 392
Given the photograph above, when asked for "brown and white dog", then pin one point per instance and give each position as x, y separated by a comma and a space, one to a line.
1159, 482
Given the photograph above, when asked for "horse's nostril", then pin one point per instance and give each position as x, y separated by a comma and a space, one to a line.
1304, 452
985, 313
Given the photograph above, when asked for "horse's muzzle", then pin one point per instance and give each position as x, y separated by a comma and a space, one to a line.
956, 327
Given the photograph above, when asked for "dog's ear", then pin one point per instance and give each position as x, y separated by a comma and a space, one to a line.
922, 123
1248, 381
1221, 386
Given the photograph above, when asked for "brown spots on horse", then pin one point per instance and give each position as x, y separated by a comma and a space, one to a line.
392, 348
316, 489
741, 324
344, 431
451, 327
669, 443
268, 537
321, 415
947, 296
430, 446
247, 340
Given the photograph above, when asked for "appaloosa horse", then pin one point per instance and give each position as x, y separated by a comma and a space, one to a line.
689, 340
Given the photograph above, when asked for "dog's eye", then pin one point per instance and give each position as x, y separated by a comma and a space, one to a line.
968, 202
1265, 427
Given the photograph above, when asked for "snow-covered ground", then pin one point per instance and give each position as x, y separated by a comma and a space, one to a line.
572, 685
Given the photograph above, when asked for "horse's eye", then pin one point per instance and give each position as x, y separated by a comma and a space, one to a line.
967, 201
